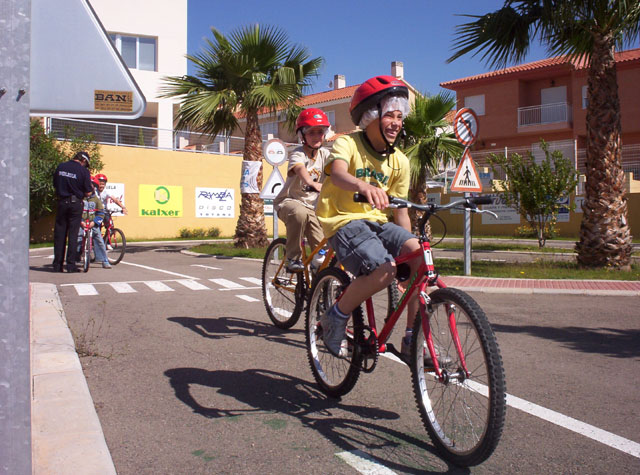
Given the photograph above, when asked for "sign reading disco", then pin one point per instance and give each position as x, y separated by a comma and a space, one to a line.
215, 203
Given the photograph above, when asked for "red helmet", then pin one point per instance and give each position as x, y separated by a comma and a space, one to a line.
312, 118
101, 177
372, 91
94, 180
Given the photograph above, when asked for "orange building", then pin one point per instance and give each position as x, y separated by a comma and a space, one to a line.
547, 99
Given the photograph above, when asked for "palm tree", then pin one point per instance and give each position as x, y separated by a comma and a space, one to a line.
583, 30
251, 70
429, 143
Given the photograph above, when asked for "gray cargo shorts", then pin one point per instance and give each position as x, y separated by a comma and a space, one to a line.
362, 246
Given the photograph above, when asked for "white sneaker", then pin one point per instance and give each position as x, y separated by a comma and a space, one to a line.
109, 247
333, 333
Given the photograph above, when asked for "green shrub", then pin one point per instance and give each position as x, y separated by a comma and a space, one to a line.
199, 233
213, 232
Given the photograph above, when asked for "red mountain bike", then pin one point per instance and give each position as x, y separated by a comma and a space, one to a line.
456, 367
114, 240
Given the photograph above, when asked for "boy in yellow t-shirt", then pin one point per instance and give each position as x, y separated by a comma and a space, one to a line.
364, 240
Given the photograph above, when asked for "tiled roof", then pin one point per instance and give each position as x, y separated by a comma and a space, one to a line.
622, 56
328, 96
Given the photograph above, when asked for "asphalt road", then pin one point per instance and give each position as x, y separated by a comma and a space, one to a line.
188, 375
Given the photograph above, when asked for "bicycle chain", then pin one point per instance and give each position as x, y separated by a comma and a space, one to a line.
369, 347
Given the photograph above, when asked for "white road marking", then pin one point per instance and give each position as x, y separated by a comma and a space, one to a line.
228, 284
159, 270
158, 286
587, 430
192, 284
252, 280
85, 289
363, 463
206, 267
122, 287
247, 298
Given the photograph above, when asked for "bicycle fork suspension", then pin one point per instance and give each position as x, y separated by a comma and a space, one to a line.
425, 304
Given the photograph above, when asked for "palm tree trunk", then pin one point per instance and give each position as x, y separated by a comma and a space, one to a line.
605, 238
250, 228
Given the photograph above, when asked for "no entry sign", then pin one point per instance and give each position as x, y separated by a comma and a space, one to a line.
465, 126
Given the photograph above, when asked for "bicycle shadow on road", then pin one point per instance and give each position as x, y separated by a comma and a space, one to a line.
612, 342
267, 392
228, 327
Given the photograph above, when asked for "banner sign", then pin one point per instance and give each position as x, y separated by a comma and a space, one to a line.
160, 201
215, 202
506, 214
249, 181
117, 191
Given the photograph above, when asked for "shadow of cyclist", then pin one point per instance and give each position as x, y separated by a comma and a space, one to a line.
267, 392
227, 327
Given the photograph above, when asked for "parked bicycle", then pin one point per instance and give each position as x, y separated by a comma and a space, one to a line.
456, 367
285, 293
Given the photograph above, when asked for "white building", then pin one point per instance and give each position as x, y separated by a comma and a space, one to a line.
151, 36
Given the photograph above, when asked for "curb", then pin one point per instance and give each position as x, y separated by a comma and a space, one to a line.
66, 434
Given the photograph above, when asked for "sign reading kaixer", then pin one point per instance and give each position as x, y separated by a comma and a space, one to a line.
160, 201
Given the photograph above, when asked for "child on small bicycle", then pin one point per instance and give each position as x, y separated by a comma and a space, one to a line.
94, 212
361, 235
295, 204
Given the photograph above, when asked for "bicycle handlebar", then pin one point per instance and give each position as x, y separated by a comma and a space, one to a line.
431, 208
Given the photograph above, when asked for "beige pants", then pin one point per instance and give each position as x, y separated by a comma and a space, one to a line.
300, 221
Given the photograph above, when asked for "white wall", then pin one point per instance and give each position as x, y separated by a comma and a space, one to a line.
164, 19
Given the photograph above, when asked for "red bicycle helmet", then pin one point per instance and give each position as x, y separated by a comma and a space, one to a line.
101, 177
312, 118
94, 180
372, 91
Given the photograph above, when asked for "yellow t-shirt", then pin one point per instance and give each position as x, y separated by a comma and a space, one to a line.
336, 207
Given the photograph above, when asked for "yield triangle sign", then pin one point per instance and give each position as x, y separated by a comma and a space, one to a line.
273, 186
466, 179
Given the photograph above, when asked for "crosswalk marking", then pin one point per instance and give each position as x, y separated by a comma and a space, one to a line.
247, 298
158, 286
192, 284
228, 284
129, 287
122, 287
85, 289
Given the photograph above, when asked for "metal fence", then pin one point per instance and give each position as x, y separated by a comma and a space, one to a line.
544, 114
108, 133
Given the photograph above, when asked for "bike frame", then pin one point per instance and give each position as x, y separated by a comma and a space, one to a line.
306, 261
426, 276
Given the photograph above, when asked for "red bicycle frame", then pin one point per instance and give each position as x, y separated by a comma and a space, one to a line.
424, 277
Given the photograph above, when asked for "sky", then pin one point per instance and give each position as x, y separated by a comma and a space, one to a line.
356, 38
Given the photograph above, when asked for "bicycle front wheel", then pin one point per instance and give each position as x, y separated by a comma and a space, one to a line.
115, 238
282, 291
336, 376
86, 252
463, 413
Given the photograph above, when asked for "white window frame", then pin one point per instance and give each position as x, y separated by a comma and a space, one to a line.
117, 40
476, 103
331, 115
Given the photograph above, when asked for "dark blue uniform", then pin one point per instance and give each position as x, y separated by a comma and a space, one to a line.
71, 181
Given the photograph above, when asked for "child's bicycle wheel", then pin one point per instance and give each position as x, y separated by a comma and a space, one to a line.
282, 291
335, 375
86, 252
464, 415
114, 239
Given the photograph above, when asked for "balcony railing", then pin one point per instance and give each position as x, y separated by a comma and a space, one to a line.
544, 114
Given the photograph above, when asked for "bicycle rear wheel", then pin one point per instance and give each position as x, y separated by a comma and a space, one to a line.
464, 416
282, 291
336, 376
115, 238
86, 251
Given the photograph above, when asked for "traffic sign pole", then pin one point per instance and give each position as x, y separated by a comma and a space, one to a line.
465, 124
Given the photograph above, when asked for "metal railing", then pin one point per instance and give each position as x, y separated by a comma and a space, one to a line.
544, 114
108, 133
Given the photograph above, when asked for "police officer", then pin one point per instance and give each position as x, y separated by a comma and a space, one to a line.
72, 182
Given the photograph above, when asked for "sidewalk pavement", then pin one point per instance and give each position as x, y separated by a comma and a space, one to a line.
66, 433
